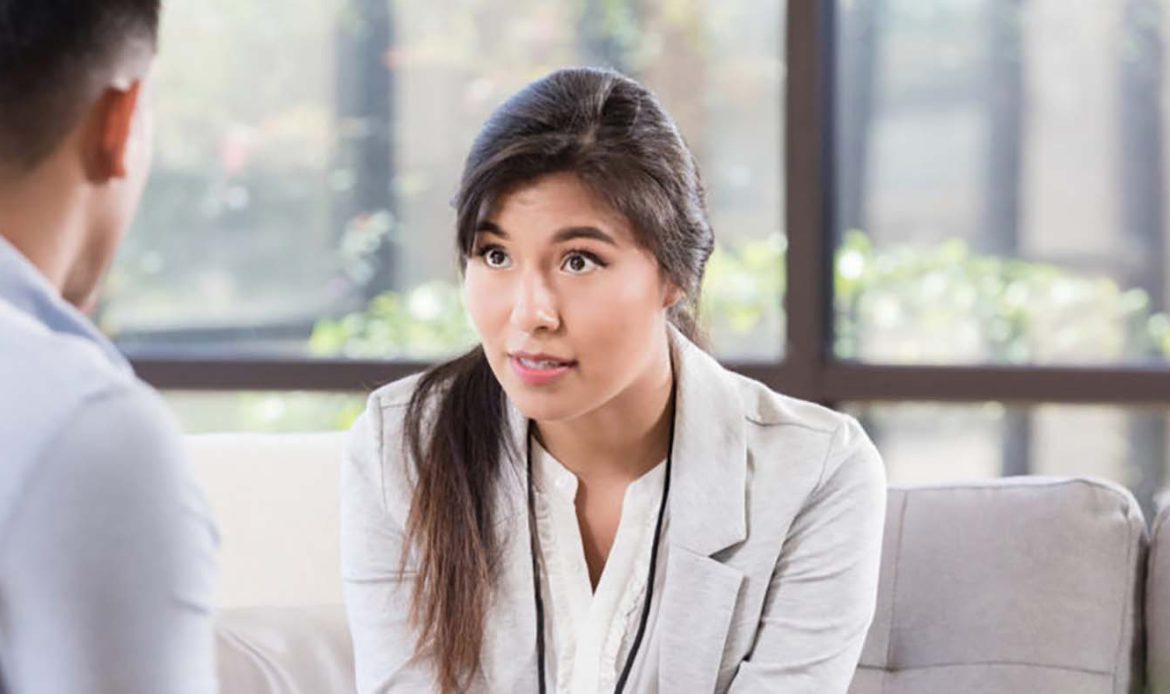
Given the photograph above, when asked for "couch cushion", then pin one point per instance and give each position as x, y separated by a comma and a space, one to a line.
284, 650
1012, 585
1158, 601
275, 499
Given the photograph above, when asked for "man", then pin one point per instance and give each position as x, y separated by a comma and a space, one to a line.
107, 550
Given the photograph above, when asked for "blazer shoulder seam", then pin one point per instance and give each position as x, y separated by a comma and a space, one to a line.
760, 421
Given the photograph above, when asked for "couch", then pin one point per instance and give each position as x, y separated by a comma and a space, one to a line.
1015, 585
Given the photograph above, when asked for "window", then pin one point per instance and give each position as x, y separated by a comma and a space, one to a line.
998, 206
203, 412
944, 217
299, 206
927, 443
1001, 183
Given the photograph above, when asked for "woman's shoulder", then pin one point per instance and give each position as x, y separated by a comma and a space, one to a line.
765, 407
376, 451
383, 421
389, 404
833, 443
394, 395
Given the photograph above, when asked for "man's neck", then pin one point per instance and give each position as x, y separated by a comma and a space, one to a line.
39, 216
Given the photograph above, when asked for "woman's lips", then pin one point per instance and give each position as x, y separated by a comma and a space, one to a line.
538, 372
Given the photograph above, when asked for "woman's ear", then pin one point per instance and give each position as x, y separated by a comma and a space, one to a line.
673, 295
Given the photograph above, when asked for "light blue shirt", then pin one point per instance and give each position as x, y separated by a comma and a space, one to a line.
107, 548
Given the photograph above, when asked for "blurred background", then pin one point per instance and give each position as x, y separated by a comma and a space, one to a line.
987, 200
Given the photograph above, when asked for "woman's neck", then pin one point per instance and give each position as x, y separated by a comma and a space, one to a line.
621, 440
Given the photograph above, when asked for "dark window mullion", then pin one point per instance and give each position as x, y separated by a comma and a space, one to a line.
808, 165
840, 381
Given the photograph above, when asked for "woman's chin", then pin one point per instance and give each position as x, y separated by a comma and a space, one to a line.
543, 405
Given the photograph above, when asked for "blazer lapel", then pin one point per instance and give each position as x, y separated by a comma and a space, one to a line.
707, 514
698, 601
709, 478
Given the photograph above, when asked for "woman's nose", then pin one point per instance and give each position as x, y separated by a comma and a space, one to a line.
535, 306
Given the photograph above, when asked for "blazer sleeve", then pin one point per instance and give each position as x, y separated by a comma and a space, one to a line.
823, 591
377, 592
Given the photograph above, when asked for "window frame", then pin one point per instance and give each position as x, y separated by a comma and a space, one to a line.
809, 368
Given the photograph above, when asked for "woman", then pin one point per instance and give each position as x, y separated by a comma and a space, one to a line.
587, 502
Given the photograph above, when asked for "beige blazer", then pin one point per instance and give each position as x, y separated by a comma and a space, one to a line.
768, 573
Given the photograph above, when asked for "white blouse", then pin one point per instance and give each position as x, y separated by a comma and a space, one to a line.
590, 634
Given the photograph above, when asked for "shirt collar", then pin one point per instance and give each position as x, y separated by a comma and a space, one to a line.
23, 287
552, 477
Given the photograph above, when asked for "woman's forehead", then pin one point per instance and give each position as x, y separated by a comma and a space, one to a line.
549, 208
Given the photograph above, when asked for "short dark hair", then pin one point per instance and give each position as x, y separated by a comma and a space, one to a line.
50, 51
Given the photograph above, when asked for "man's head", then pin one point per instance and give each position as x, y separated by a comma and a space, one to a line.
74, 131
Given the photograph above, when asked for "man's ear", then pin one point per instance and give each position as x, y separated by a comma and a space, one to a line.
112, 119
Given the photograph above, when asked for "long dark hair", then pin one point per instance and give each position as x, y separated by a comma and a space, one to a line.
618, 140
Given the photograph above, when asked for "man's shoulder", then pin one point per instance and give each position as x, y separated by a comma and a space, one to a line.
35, 359
54, 382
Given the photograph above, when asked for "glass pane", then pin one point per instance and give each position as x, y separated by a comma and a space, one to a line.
263, 411
1002, 177
925, 443
305, 160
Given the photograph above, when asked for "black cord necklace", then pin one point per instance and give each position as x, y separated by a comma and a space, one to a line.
625, 674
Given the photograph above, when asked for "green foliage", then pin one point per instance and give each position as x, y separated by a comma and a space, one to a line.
741, 299
426, 322
896, 304
946, 304
901, 304
741, 309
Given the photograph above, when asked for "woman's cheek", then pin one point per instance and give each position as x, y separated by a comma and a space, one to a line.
478, 303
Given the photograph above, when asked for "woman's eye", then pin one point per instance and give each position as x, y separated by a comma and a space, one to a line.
495, 257
579, 263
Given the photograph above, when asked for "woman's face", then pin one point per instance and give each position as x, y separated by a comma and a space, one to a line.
571, 312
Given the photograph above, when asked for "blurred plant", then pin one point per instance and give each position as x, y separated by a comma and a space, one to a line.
741, 298
362, 238
900, 304
944, 303
907, 304
743, 289
425, 322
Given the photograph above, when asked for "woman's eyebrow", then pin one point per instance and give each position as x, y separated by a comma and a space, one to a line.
486, 227
566, 234
570, 233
